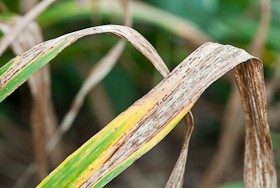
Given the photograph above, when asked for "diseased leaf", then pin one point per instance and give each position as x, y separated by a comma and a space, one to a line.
150, 119
259, 167
232, 124
17, 70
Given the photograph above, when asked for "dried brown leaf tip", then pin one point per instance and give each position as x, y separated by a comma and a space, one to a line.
259, 168
182, 88
208, 63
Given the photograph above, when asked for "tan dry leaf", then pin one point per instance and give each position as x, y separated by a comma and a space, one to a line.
176, 178
54, 46
43, 119
259, 167
182, 88
20, 26
232, 122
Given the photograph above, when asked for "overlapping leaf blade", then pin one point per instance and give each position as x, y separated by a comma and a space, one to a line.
151, 118
17, 70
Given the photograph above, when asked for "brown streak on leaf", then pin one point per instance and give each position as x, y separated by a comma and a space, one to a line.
137, 40
205, 65
259, 170
232, 127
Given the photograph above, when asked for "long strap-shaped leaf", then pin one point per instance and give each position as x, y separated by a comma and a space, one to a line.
17, 70
150, 119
